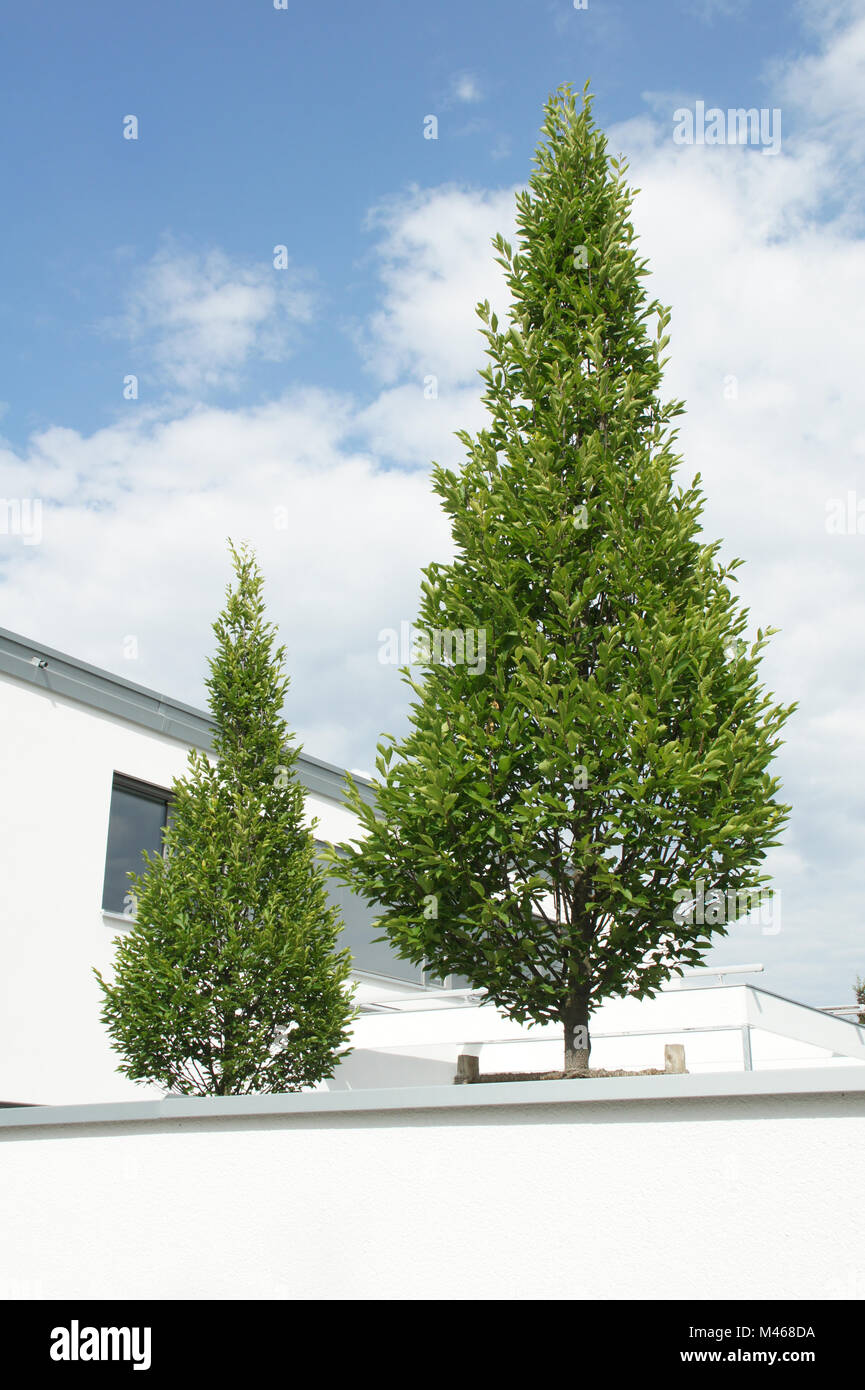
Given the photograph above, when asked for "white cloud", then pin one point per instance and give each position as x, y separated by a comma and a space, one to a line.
436, 264
828, 86
139, 514
412, 427
204, 317
465, 89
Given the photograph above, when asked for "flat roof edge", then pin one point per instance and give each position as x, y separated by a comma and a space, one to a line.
111, 694
805, 1081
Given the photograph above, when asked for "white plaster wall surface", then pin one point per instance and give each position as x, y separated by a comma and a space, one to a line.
725, 1196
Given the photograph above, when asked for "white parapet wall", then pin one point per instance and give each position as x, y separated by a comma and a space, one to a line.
737, 1186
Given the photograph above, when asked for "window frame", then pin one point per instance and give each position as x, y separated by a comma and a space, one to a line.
146, 791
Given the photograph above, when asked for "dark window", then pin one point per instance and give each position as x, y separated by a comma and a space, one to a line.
135, 823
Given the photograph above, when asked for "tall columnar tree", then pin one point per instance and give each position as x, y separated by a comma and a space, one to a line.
542, 828
230, 980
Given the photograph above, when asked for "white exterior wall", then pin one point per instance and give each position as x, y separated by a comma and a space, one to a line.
57, 760
669, 1188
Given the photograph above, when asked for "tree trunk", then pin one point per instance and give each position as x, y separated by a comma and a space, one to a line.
577, 1042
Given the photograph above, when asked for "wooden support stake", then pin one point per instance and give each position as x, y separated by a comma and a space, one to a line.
468, 1069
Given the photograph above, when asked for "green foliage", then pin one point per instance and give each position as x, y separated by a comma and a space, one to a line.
533, 827
230, 981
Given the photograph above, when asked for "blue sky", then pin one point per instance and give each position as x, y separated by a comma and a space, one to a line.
260, 127
287, 407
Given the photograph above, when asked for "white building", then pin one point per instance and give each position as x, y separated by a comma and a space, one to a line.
86, 762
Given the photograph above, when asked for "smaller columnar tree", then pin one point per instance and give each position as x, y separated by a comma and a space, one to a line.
230, 980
